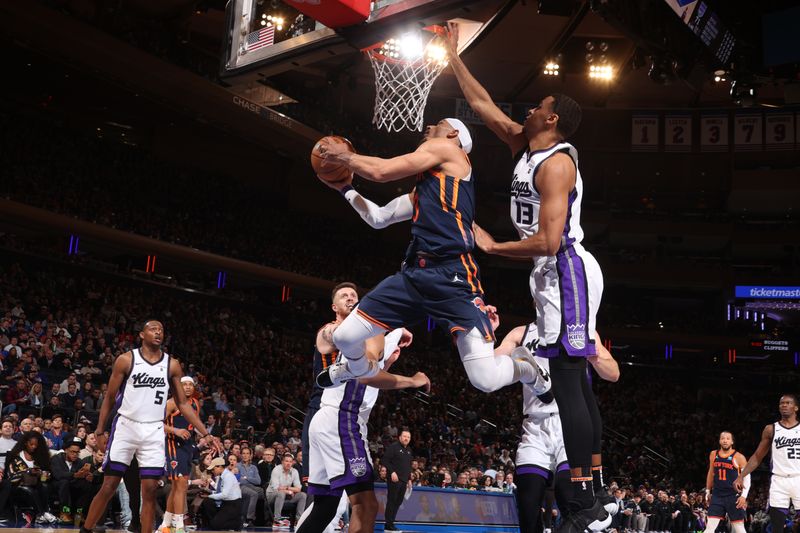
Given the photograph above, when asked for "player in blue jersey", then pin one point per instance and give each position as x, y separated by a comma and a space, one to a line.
439, 277
181, 449
724, 467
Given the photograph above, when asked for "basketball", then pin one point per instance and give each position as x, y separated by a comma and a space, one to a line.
327, 170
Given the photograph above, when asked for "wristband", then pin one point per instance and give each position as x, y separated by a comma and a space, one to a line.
346, 189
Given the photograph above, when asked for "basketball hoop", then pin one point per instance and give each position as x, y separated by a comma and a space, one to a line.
405, 69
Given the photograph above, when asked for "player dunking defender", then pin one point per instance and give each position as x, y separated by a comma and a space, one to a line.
724, 466
439, 277
140, 382
180, 451
566, 282
783, 437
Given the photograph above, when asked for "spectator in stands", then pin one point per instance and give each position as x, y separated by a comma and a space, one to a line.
90, 369
67, 399
72, 379
90, 446
35, 399
223, 506
70, 481
53, 408
213, 427
681, 515
250, 484
56, 434
199, 482
16, 396
28, 469
7, 441
25, 425
266, 465
284, 487
54, 391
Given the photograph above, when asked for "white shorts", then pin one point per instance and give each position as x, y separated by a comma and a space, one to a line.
541, 449
567, 289
338, 452
782, 490
129, 439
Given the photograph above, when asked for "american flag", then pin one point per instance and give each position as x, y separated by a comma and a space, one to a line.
260, 38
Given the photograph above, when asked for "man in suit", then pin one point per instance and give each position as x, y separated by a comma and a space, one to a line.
70, 479
397, 461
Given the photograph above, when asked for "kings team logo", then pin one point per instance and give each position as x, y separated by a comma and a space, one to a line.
358, 466
576, 335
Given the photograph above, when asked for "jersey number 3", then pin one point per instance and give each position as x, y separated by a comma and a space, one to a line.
524, 213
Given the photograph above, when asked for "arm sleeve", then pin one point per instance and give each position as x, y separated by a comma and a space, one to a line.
746, 486
397, 210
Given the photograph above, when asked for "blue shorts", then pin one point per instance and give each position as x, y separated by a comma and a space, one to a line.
722, 505
179, 460
447, 290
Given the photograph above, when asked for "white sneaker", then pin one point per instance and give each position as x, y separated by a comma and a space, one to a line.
47, 517
542, 383
339, 373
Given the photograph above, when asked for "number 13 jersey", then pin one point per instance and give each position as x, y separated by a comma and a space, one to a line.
526, 200
143, 396
786, 450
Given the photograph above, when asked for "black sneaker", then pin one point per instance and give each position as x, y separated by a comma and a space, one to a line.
579, 521
609, 503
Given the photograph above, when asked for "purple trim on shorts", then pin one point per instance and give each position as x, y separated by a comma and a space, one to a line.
357, 466
536, 470
107, 461
562, 467
115, 469
150, 472
574, 338
568, 226
324, 490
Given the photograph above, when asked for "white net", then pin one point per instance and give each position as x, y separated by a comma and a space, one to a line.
402, 84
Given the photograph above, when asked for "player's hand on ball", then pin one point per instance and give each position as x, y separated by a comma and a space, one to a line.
338, 153
741, 502
420, 380
484, 241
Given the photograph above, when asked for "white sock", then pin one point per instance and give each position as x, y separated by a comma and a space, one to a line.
177, 520
167, 521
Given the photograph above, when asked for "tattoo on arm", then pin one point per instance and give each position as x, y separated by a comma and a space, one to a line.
327, 335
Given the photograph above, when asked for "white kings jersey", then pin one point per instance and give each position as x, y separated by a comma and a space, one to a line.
786, 450
531, 404
353, 397
143, 396
526, 201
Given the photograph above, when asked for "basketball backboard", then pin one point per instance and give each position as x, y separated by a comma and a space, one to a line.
267, 37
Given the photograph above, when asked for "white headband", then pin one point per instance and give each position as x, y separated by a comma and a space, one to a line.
463, 133
187, 379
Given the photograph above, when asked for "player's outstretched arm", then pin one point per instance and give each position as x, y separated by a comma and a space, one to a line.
183, 405
554, 182
430, 154
710, 474
604, 363
481, 102
757, 457
119, 372
386, 381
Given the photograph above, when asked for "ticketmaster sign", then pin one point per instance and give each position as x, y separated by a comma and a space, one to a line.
780, 293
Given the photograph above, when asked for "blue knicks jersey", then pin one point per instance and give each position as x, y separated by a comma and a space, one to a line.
725, 473
321, 362
178, 421
444, 208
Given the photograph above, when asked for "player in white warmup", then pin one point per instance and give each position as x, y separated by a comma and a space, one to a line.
140, 382
566, 282
339, 460
541, 456
782, 438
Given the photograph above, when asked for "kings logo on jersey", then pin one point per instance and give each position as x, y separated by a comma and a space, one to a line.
145, 380
520, 189
785, 442
358, 466
576, 335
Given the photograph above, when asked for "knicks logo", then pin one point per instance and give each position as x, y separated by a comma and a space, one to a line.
173, 464
478, 302
358, 466
576, 335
